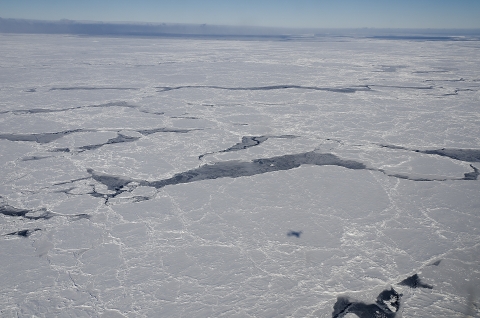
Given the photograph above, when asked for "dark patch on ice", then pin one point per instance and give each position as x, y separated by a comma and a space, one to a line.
154, 113
91, 88
414, 281
31, 90
247, 142
35, 158
60, 150
294, 233
393, 147
436, 263
386, 306
27, 214
40, 138
146, 132
24, 233
119, 139
235, 169
272, 87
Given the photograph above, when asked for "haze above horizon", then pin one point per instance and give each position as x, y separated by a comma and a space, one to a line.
441, 14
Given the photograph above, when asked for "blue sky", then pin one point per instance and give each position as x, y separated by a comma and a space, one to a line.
273, 13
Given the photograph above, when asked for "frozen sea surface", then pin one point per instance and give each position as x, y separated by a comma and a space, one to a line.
150, 177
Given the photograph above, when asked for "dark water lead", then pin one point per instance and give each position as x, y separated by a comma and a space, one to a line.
38, 214
469, 176
119, 139
414, 281
147, 132
467, 155
386, 306
47, 110
235, 169
24, 233
27, 214
91, 88
40, 138
32, 158
227, 169
124, 138
272, 87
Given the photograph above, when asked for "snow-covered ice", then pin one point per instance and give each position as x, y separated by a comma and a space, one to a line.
163, 177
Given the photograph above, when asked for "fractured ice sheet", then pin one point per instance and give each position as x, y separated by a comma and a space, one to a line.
235, 169
294, 210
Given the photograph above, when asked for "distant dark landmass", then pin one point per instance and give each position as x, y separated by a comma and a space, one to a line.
219, 31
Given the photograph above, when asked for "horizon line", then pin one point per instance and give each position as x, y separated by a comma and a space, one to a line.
136, 28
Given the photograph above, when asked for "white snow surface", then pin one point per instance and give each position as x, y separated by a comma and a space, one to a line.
276, 243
